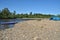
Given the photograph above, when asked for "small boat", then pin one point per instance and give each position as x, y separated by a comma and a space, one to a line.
5, 23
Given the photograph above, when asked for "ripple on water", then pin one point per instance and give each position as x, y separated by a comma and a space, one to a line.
6, 26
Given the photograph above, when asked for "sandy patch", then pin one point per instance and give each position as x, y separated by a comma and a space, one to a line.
34, 30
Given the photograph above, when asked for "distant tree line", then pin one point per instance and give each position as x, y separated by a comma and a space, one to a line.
6, 14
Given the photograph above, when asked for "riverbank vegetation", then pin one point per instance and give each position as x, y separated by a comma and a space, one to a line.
6, 14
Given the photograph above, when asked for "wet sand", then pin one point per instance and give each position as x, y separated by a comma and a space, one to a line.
33, 30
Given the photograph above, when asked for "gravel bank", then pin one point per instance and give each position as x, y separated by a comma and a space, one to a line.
33, 30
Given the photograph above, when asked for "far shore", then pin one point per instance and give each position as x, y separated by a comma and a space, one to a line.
32, 18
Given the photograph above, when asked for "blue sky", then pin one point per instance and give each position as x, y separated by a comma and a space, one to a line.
35, 6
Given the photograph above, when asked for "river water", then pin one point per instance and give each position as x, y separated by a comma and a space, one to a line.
5, 26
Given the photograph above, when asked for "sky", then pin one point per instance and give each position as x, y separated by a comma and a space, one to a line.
35, 6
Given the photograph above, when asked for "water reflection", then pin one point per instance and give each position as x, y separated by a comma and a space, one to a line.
6, 26
3, 24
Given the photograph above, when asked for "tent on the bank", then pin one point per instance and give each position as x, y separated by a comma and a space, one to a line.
55, 18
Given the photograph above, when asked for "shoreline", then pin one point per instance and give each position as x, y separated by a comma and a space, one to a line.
34, 30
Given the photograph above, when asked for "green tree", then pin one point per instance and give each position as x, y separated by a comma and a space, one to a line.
0, 14
5, 13
30, 13
58, 15
14, 14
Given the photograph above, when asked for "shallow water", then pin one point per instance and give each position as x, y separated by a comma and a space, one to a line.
5, 26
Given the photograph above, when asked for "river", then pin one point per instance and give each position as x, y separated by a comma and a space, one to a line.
5, 26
